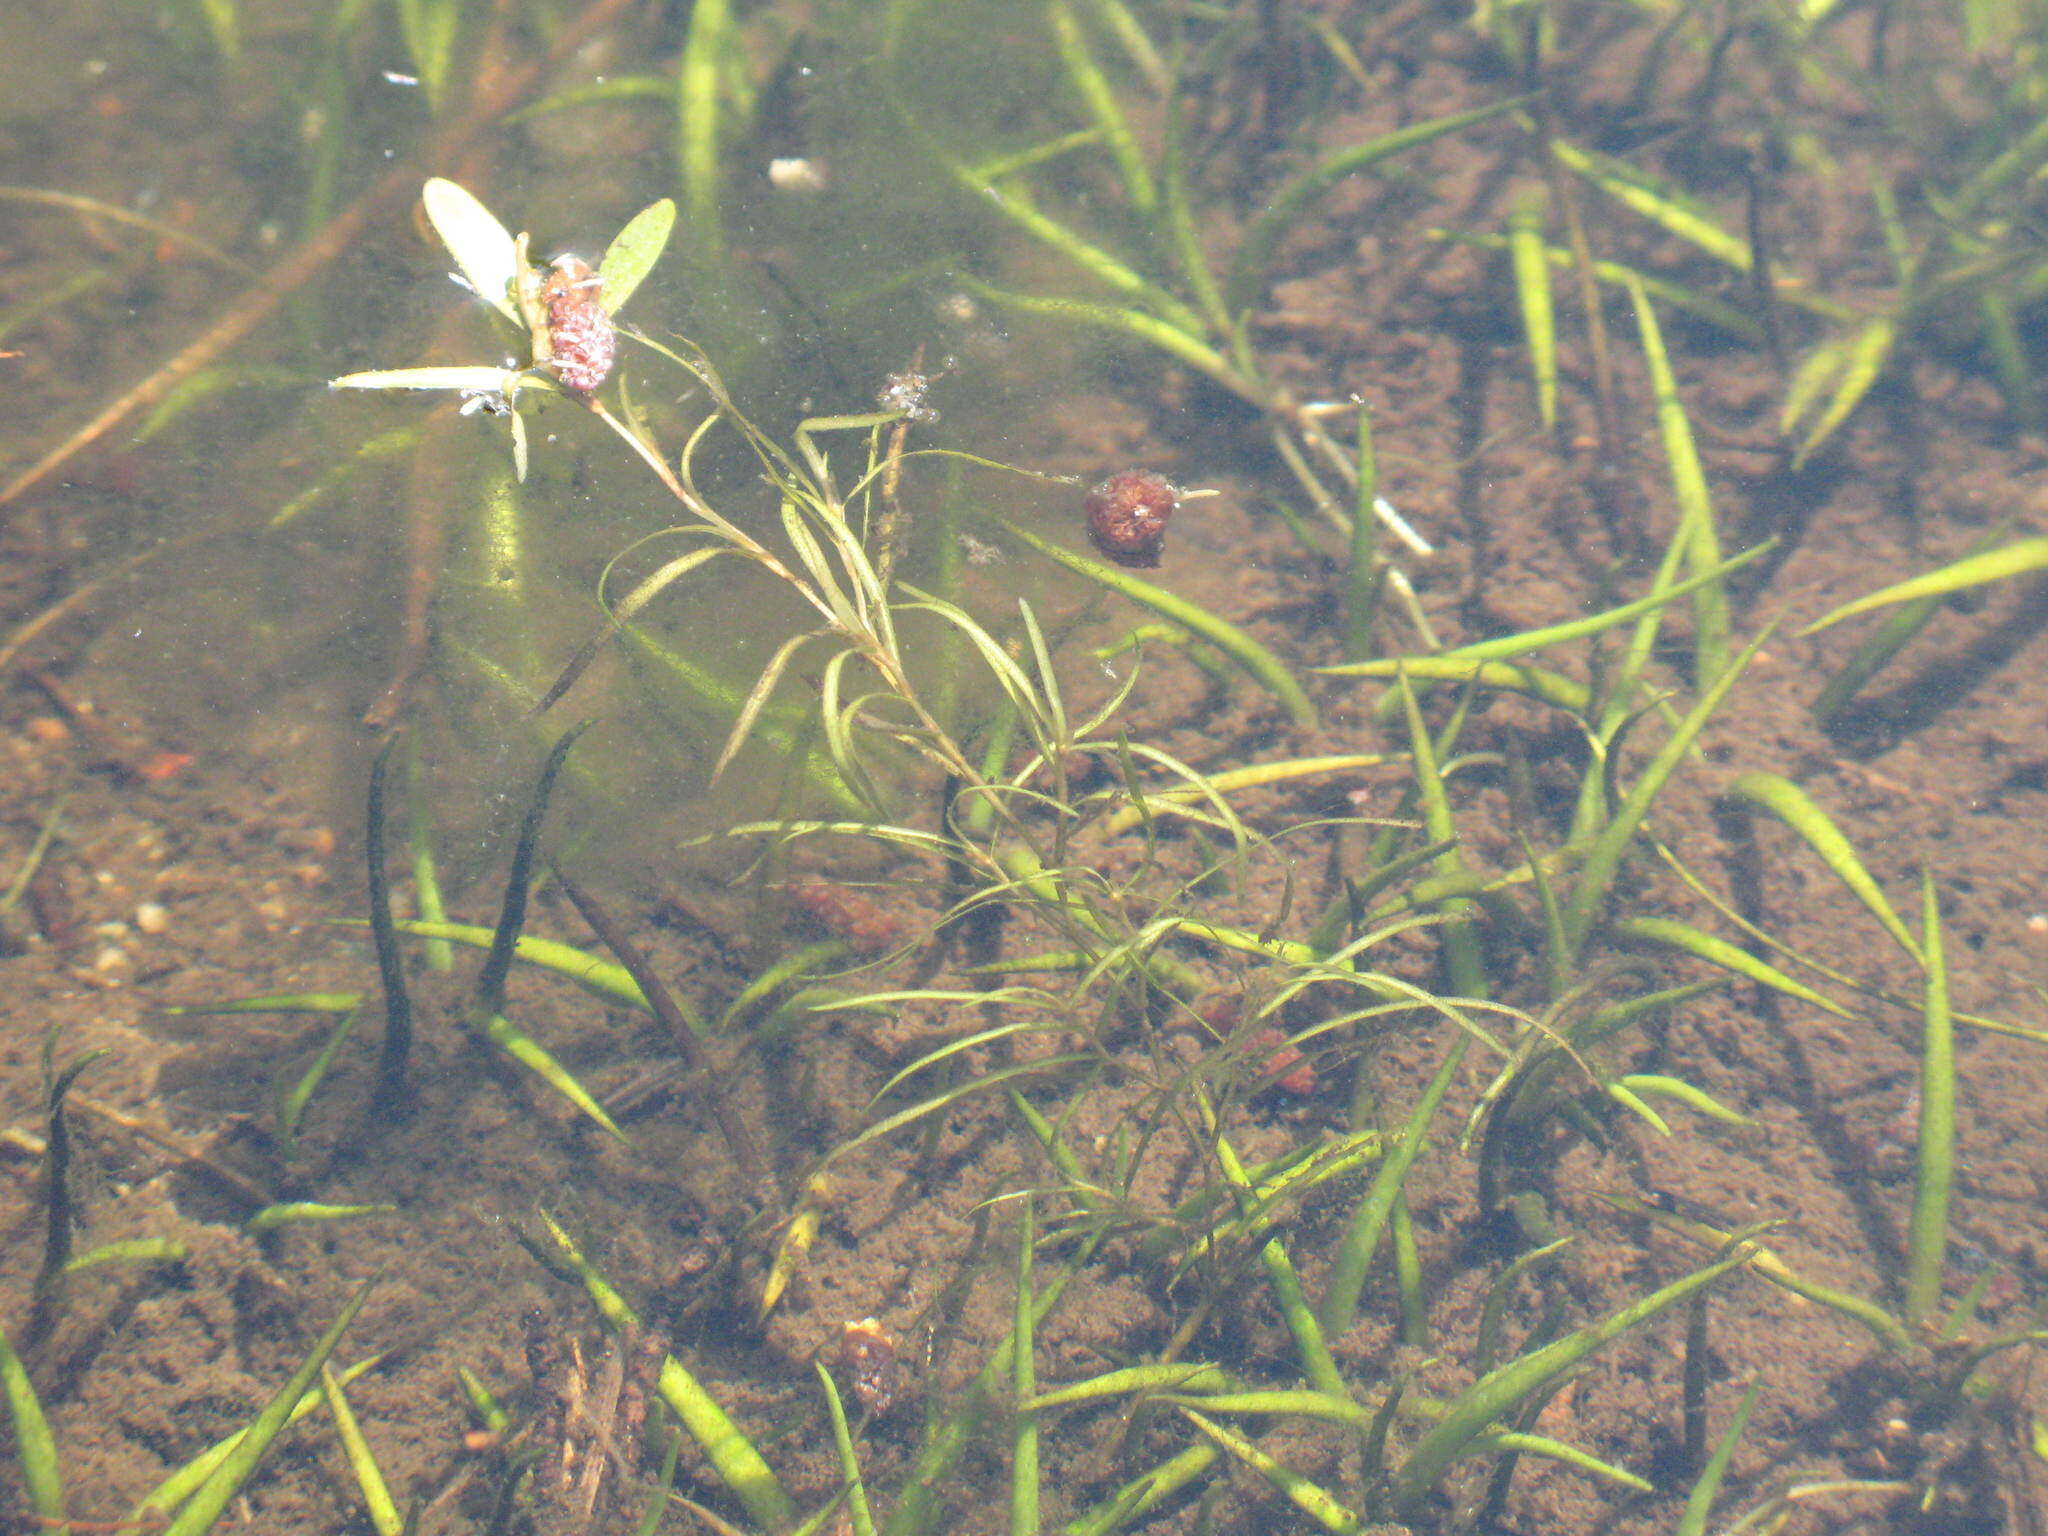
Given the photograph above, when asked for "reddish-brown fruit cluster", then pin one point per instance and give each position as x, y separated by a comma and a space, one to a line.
846, 914
873, 1365
1284, 1067
1128, 514
581, 337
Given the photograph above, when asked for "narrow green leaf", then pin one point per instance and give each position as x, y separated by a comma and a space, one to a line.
732, 1456
1694, 1098
1603, 859
1670, 933
177, 1487
291, 1212
34, 1446
1240, 647
700, 108
1934, 1162
2018, 559
134, 1250
531, 1055
634, 251
1105, 105
1502, 1389
1855, 366
1656, 201
1689, 490
1532, 293
204, 1509
377, 1501
1700, 1502
1308, 1497
1255, 252
1780, 797
1556, 634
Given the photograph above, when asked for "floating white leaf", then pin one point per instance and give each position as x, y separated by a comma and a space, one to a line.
468, 381
486, 253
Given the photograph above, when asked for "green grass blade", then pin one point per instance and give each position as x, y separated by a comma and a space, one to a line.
1603, 859
1550, 688
535, 1057
1240, 647
1853, 366
1105, 106
2018, 559
1934, 1164
1255, 252
1011, 200
1532, 293
157, 1505
1690, 1095
1024, 1386
699, 109
1308, 1497
1670, 933
1900, 628
1500, 1390
732, 1456
293, 1212
949, 1437
1369, 1223
1656, 201
598, 976
1142, 1494
211, 1499
1700, 1502
377, 1501
1558, 634
1180, 340
1689, 491
35, 1448
1768, 1266
1180, 1376
1780, 797
858, 1509
133, 1250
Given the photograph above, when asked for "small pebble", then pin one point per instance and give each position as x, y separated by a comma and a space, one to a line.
151, 917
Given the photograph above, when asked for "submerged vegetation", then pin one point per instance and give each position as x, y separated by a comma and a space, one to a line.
1259, 1038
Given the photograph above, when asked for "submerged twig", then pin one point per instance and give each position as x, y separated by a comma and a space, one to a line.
753, 1167
390, 966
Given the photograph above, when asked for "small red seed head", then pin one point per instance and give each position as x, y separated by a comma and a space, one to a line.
1127, 516
580, 331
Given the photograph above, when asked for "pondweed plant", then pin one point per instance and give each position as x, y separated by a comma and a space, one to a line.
1011, 838
1062, 835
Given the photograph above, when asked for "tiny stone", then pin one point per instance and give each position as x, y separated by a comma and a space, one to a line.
151, 917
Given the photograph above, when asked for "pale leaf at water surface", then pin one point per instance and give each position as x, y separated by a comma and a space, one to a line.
482, 248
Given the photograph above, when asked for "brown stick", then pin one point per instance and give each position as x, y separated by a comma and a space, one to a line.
614, 938
494, 97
